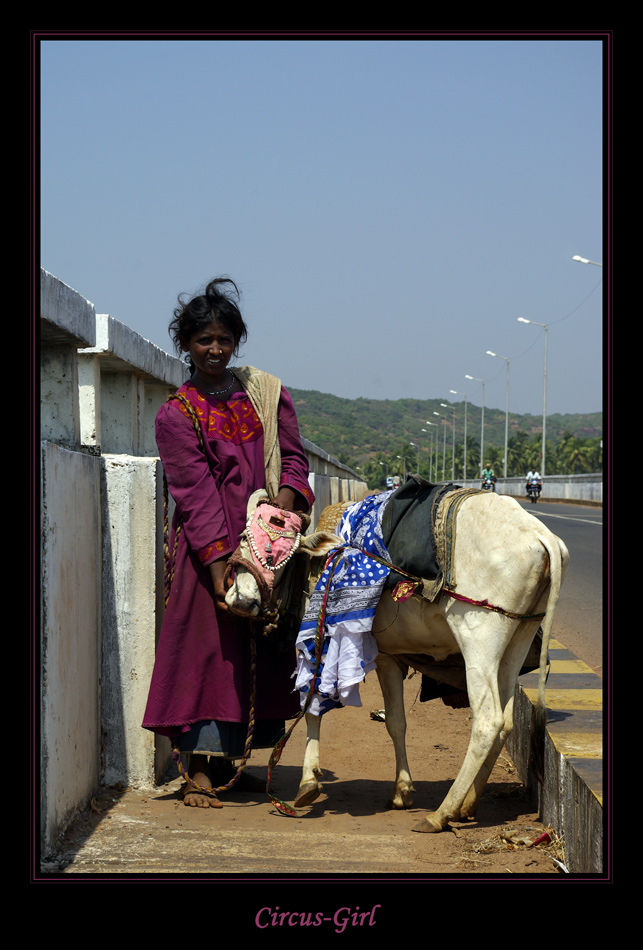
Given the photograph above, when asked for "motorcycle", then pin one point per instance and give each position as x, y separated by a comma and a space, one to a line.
533, 491
487, 484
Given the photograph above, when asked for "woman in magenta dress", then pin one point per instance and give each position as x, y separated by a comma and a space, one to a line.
201, 685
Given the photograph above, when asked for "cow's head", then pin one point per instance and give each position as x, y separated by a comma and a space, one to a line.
271, 538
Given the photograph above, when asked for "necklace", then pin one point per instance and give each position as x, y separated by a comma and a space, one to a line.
219, 392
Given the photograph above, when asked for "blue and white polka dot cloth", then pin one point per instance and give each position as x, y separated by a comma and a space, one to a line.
349, 648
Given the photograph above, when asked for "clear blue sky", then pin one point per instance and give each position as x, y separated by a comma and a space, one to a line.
388, 208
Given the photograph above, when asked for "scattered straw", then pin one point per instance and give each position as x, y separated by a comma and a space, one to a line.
519, 839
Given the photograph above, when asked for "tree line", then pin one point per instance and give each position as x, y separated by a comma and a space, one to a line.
380, 438
570, 456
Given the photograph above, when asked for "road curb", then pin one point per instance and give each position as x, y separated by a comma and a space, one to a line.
571, 799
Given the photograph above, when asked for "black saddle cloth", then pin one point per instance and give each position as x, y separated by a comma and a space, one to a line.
408, 532
408, 528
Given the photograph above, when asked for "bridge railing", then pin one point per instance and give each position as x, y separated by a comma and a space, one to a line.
581, 489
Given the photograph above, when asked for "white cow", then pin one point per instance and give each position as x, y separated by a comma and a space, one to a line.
504, 557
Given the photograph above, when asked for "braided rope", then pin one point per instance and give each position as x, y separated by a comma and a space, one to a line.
418, 582
485, 603
275, 756
170, 559
176, 753
237, 559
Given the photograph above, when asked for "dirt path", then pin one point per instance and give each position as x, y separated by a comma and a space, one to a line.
346, 832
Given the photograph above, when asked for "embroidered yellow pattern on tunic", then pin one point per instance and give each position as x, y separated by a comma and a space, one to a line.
308, 495
235, 421
208, 553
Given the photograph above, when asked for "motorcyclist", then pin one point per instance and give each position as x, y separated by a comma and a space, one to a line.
533, 478
487, 473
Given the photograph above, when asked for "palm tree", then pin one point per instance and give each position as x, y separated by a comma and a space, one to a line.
493, 455
595, 451
473, 458
576, 456
519, 455
571, 454
375, 470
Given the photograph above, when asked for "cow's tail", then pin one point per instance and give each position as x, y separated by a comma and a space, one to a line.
557, 556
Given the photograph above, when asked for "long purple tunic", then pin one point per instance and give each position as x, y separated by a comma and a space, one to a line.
202, 666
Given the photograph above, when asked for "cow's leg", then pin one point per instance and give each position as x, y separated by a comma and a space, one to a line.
488, 720
510, 667
482, 642
309, 787
391, 676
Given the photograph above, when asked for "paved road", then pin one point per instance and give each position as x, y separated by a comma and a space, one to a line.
579, 620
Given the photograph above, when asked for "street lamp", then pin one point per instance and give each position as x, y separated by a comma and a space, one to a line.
429, 433
444, 423
417, 448
523, 320
481, 420
464, 454
403, 458
497, 355
433, 469
583, 260
452, 408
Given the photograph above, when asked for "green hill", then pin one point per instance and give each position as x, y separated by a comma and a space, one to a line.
360, 432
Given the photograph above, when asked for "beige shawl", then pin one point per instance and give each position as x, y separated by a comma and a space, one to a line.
264, 392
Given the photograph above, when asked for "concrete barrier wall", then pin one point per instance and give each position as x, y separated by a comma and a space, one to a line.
70, 634
132, 611
102, 562
583, 489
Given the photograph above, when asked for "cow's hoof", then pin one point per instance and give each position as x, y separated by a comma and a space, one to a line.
397, 804
400, 800
308, 793
428, 825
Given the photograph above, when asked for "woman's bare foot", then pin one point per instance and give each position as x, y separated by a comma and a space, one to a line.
199, 774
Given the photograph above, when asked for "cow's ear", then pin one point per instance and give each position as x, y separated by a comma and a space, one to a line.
320, 543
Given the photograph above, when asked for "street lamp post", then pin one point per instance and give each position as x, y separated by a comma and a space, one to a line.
443, 422
545, 326
437, 445
481, 421
452, 408
444, 449
464, 454
433, 468
417, 449
506, 358
430, 435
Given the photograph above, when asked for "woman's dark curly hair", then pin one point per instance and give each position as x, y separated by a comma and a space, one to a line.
216, 303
